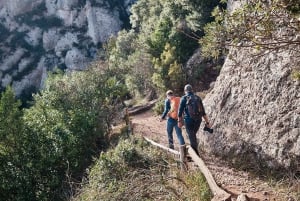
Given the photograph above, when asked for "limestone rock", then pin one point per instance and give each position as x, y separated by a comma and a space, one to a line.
255, 108
52, 33
6, 80
66, 42
102, 23
23, 64
11, 60
50, 39
16, 7
75, 60
33, 79
34, 36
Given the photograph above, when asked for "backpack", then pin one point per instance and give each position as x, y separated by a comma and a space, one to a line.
173, 113
194, 107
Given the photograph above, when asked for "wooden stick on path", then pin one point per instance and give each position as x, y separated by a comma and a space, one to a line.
163, 147
219, 194
181, 154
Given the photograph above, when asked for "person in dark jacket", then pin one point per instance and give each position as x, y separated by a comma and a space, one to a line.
171, 111
192, 125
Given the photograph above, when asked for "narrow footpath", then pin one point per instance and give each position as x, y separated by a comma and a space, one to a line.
231, 180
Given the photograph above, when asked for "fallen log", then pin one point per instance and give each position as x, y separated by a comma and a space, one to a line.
141, 108
163, 147
180, 153
219, 194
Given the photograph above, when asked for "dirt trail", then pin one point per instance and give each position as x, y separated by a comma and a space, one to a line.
229, 179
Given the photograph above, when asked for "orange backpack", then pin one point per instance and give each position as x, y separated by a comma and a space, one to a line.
173, 113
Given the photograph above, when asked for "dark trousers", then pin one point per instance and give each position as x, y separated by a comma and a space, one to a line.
192, 127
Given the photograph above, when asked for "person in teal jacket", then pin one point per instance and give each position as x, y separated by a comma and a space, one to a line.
192, 125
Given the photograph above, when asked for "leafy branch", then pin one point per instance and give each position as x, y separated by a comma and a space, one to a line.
262, 25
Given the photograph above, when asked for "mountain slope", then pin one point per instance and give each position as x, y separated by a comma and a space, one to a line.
37, 36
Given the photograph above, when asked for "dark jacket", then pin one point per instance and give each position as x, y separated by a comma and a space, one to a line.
184, 110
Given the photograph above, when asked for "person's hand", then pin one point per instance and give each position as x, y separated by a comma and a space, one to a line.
208, 125
180, 124
208, 128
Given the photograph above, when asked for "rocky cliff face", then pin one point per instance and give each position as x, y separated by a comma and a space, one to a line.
255, 109
38, 35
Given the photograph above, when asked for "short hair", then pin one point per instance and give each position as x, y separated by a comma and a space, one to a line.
169, 93
188, 88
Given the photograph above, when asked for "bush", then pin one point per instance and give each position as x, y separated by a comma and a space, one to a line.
45, 150
136, 171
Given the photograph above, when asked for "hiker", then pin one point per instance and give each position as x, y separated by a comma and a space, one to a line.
170, 111
190, 113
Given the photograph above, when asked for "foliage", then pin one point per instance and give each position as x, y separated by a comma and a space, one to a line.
168, 73
196, 13
159, 37
175, 23
126, 53
11, 145
165, 30
136, 171
263, 25
145, 15
159, 106
72, 113
139, 80
45, 150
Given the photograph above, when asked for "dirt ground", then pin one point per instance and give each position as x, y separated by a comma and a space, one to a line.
231, 180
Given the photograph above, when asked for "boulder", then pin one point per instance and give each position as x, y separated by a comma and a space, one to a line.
255, 108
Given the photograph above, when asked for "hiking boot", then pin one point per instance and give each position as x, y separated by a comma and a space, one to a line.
171, 146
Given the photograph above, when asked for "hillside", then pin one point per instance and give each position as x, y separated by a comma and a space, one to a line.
38, 36
242, 56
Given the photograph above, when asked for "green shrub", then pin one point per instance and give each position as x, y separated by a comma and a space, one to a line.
159, 106
48, 147
136, 171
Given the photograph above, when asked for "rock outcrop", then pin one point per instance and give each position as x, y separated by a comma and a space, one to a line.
255, 109
53, 33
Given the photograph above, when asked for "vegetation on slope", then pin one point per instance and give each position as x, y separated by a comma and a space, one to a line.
163, 37
45, 149
136, 171
42, 147
265, 26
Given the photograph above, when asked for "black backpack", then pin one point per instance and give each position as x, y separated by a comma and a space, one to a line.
194, 106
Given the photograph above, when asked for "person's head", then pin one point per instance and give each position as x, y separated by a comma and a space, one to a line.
188, 88
169, 93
